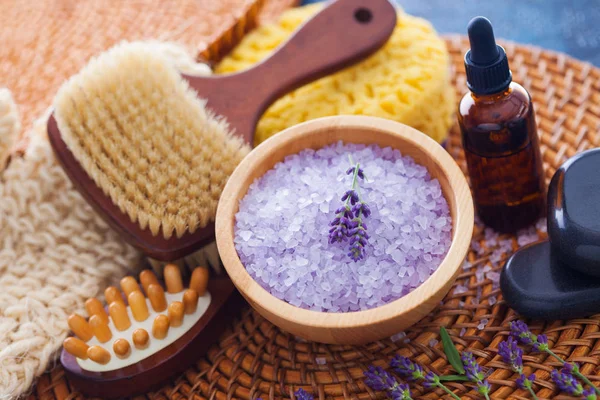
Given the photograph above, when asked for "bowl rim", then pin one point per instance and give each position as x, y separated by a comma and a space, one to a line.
256, 294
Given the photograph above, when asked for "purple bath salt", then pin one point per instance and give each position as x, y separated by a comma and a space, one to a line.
282, 229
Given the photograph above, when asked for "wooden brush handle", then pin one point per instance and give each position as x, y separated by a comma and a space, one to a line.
343, 33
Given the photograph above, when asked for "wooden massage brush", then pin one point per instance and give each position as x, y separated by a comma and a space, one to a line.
145, 334
151, 151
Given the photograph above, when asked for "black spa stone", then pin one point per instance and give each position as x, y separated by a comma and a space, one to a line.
574, 212
535, 283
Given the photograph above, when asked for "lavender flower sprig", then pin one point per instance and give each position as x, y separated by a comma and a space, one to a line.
348, 221
513, 356
475, 374
414, 372
520, 331
379, 379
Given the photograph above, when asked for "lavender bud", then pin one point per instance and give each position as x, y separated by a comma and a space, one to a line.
484, 387
366, 211
356, 253
339, 229
541, 344
379, 379
401, 392
352, 195
361, 208
301, 394
430, 380
570, 368
472, 369
525, 382
357, 240
407, 369
511, 354
520, 331
350, 171
589, 394
567, 383
474, 373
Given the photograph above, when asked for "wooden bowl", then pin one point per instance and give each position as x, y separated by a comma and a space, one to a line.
362, 326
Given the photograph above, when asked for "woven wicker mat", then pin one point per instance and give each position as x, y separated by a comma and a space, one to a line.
254, 358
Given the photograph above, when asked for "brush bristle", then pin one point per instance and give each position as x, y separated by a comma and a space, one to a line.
147, 140
9, 125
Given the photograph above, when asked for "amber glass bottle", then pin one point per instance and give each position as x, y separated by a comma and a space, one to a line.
500, 138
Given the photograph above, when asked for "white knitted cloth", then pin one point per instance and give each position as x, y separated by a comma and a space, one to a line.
55, 251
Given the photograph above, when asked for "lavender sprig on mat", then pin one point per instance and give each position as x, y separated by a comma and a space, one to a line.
520, 331
379, 379
475, 374
513, 356
414, 372
348, 221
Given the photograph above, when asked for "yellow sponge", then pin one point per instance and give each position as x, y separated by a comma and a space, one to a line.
407, 80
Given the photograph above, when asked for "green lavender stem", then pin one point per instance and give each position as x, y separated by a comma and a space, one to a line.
355, 175
354, 185
435, 382
575, 370
528, 385
530, 389
354, 182
447, 390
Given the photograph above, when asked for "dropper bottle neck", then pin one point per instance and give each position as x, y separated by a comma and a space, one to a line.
486, 63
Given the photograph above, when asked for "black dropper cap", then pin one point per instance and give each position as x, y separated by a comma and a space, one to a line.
486, 63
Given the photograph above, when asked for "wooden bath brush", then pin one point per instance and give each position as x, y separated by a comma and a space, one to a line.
151, 150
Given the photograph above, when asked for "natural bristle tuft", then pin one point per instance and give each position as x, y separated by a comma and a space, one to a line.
147, 140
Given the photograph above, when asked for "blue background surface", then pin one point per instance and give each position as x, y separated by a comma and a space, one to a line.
570, 26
